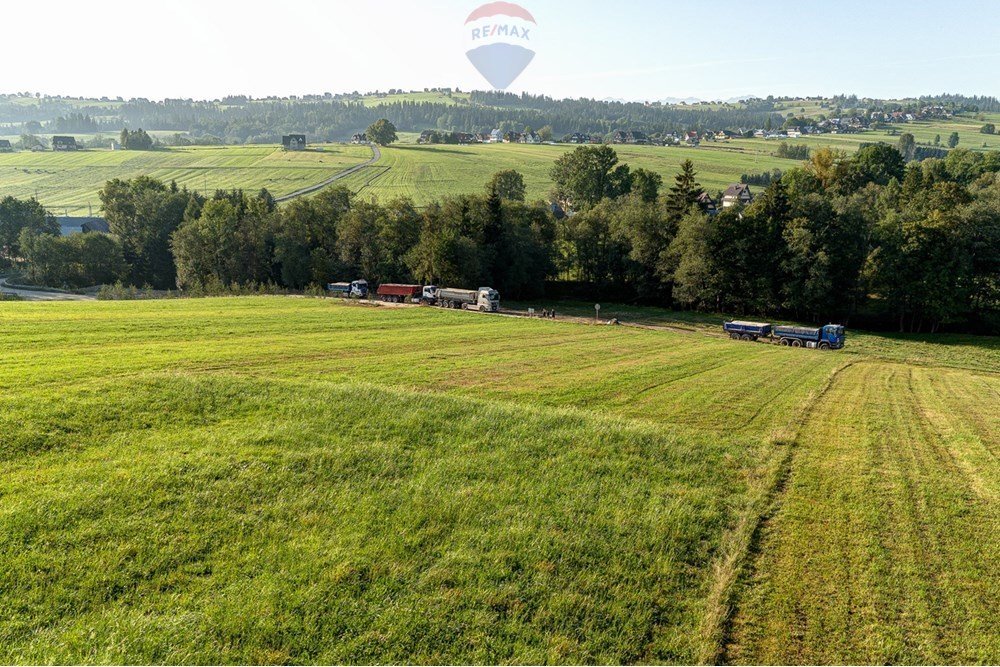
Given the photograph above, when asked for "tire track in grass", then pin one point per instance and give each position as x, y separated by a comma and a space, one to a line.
881, 551
741, 545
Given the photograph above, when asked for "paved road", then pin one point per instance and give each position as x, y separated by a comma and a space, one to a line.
35, 295
376, 156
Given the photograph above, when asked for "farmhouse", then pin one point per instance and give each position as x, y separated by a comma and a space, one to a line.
360, 138
64, 143
496, 136
530, 138
578, 138
707, 204
737, 194
293, 142
5, 146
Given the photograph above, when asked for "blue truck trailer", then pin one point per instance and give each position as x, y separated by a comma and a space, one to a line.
747, 330
829, 337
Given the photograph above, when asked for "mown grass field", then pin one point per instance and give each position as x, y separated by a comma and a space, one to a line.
297, 480
69, 182
428, 172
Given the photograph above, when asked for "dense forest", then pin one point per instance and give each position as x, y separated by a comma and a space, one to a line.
863, 239
239, 119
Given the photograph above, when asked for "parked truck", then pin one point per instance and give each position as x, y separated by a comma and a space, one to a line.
829, 337
397, 293
357, 289
484, 299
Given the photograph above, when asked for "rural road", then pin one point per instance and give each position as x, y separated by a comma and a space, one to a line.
37, 295
376, 156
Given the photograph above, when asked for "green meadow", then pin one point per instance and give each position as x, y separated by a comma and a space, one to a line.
428, 172
281, 479
69, 182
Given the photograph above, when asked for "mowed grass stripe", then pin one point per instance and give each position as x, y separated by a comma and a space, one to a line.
658, 376
883, 550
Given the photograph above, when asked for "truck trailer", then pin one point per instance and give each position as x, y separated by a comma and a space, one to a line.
747, 330
484, 299
397, 293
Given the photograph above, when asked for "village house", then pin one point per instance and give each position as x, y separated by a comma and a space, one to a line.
707, 204
530, 138
5, 146
359, 138
629, 137
691, 138
512, 137
737, 194
60, 143
578, 138
793, 133
496, 136
293, 142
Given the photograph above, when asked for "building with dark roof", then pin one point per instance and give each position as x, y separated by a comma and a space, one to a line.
737, 194
293, 142
64, 143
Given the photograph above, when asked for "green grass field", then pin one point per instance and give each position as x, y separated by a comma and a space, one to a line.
428, 172
69, 182
297, 480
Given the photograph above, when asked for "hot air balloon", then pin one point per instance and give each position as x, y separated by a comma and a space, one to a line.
500, 37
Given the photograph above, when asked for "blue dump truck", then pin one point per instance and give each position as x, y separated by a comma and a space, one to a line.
829, 337
357, 289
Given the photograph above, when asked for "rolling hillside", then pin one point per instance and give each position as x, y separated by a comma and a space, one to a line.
68, 183
298, 480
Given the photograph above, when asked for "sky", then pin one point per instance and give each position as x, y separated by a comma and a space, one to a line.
627, 49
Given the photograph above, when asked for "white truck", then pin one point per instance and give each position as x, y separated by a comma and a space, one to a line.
484, 299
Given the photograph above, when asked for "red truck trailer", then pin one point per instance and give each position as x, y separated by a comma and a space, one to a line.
396, 293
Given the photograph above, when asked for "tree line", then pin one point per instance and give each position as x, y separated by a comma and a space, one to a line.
864, 239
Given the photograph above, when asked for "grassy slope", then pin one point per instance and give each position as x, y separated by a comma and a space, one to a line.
425, 173
885, 546
72, 180
281, 479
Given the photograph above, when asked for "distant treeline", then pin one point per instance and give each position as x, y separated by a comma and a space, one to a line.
865, 238
239, 119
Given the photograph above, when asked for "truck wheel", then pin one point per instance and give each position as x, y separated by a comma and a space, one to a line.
784, 341
796, 343
824, 346
745, 337
482, 309
734, 336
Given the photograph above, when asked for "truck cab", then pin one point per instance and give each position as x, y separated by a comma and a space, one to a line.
832, 336
356, 289
488, 300
429, 294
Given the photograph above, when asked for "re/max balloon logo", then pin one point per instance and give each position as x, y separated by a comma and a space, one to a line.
499, 31
499, 35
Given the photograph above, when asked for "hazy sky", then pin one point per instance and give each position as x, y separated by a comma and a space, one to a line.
636, 50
